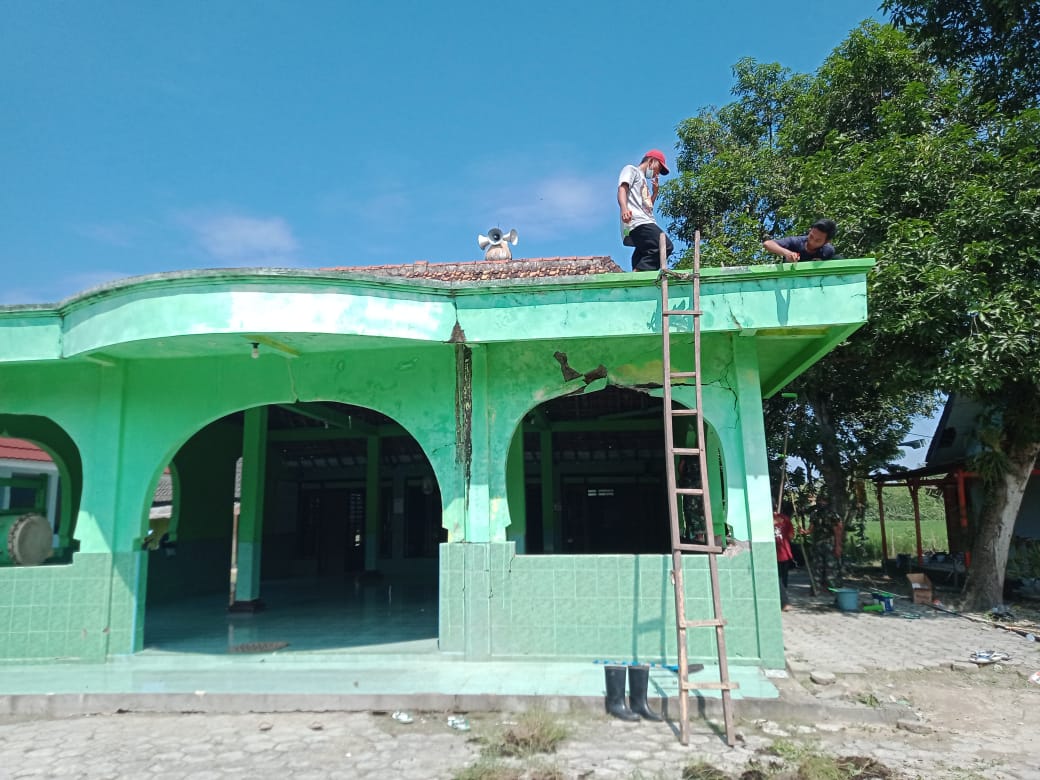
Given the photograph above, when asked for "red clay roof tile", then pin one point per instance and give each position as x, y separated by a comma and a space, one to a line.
479, 270
19, 449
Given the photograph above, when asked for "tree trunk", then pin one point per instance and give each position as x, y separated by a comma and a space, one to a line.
985, 586
831, 470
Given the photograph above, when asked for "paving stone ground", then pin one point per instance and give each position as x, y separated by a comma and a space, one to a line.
967, 722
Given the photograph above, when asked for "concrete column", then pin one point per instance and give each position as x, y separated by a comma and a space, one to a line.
549, 526
372, 503
758, 498
516, 490
96, 527
478, 494
251, 512
106, 537
397, 517
753, 442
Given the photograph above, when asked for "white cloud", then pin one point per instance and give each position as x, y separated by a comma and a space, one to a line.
241, 239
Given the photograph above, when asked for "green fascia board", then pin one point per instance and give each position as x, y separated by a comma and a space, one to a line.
732, 300
29, 334
256, 309
243, 302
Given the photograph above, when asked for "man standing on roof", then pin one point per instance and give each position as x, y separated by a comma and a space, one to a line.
816, 245
636, 193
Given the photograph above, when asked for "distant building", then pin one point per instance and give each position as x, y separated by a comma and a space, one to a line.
948, 469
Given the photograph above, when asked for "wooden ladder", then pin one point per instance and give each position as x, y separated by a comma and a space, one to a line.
710, 547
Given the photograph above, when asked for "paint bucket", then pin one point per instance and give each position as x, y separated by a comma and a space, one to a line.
885, 600
848, 599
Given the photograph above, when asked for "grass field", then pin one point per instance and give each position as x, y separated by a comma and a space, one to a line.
899, 525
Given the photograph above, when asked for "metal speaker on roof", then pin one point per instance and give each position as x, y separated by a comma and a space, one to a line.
496, 243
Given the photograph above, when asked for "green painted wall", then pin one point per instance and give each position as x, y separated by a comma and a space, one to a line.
495, 603
145, 366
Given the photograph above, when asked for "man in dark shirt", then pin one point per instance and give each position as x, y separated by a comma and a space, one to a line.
816, 245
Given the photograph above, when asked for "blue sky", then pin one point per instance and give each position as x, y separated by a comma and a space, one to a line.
146, 137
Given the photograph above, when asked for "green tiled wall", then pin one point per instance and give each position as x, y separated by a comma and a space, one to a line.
83, 610
619, 607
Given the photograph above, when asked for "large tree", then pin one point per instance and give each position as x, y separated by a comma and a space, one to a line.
969, 306
743, 177
979, 258
995, 41
733, 176
944, 190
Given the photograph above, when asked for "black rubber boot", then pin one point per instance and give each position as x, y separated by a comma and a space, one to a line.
616, 694
638, 682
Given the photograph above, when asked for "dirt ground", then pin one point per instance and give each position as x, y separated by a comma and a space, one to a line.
989, 716
967, 721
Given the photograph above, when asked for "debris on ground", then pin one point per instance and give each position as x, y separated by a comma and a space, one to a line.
986, 657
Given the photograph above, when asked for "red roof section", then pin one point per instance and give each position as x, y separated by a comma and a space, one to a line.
479, 270
19, 449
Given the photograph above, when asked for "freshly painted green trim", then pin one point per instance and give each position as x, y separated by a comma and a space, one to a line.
29, 334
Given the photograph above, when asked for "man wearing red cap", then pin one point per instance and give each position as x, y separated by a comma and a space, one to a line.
636, 193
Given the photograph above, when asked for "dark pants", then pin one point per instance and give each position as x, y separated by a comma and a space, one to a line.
647, 253
783, 567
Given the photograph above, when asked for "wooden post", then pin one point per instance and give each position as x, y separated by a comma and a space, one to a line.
914, 487
881, 517
962, 506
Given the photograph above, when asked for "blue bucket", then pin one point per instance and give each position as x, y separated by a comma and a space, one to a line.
848, 599
885, 600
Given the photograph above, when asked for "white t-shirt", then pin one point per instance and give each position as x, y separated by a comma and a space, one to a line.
639, 202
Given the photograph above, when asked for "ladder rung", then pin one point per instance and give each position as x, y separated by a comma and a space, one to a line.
698, 548
704, 623
673, 378
694, 685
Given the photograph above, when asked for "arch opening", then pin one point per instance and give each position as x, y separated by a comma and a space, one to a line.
41, 484
306, 526
594, 476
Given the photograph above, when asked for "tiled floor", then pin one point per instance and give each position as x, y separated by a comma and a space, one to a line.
311, 615
373, 642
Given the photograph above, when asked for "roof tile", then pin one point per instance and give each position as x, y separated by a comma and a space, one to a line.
19, 449
479, 270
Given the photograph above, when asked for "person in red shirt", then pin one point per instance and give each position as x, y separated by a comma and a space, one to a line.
783, 530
